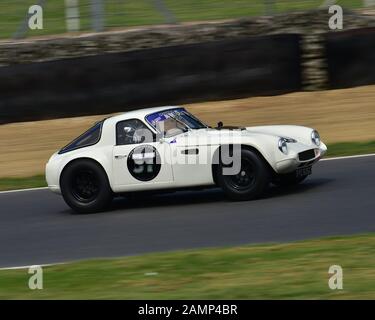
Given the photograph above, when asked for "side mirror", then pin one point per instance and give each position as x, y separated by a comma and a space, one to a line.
161, 140
219, 124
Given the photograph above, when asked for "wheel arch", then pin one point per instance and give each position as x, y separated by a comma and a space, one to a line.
216, 155
96, 161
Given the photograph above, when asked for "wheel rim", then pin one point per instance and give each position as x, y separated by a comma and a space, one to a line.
245, 178
85, 186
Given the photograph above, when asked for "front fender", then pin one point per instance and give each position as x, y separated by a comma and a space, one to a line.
265, 145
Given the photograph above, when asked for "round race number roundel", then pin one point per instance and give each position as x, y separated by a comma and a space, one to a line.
144, 163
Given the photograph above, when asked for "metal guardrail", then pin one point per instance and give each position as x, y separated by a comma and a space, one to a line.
61, 16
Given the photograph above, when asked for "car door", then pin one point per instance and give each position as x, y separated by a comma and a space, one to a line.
192, 160
140, 162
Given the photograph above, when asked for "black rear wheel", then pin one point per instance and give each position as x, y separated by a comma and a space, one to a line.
249, 182
85, 187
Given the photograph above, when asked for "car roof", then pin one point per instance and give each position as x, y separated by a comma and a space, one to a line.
140, 113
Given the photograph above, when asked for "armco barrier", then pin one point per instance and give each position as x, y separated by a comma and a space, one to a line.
162, 76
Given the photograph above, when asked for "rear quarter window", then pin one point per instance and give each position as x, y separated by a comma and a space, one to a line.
89, 138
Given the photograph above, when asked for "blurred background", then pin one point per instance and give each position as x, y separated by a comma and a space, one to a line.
241, 62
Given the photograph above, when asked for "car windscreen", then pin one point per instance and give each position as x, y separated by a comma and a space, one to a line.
88, 138
178, 114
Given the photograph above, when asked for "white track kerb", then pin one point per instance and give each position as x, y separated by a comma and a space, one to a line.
27, 267
326, 159
350, 157
23, 190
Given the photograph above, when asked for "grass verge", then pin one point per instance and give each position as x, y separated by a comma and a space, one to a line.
334, 150
350, 148
296, 270
22, 183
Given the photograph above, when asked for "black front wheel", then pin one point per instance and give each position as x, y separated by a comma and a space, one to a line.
85, 187
249, 182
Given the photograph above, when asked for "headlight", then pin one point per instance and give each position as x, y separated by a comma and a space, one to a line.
283, 147
315, 137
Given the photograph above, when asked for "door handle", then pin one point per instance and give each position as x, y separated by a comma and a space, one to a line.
190, 151
121, 156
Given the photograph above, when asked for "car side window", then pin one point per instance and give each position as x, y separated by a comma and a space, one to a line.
133, 131
88, 138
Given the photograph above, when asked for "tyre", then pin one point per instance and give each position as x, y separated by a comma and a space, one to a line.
251, 181
289, 179
85, 187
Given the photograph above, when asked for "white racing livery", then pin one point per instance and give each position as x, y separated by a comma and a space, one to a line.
167, 148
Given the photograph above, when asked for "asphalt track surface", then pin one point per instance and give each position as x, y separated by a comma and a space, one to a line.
36, 227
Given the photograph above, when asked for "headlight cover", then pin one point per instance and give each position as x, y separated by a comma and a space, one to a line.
283, 147
315, 138
290, 140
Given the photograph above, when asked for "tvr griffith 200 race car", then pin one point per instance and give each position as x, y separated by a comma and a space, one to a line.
167, 148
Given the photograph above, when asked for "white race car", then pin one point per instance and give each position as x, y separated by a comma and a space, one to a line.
167, 148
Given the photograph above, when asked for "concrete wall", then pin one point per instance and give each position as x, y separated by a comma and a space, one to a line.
351, 58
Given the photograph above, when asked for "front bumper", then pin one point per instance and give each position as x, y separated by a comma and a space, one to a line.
293, 161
